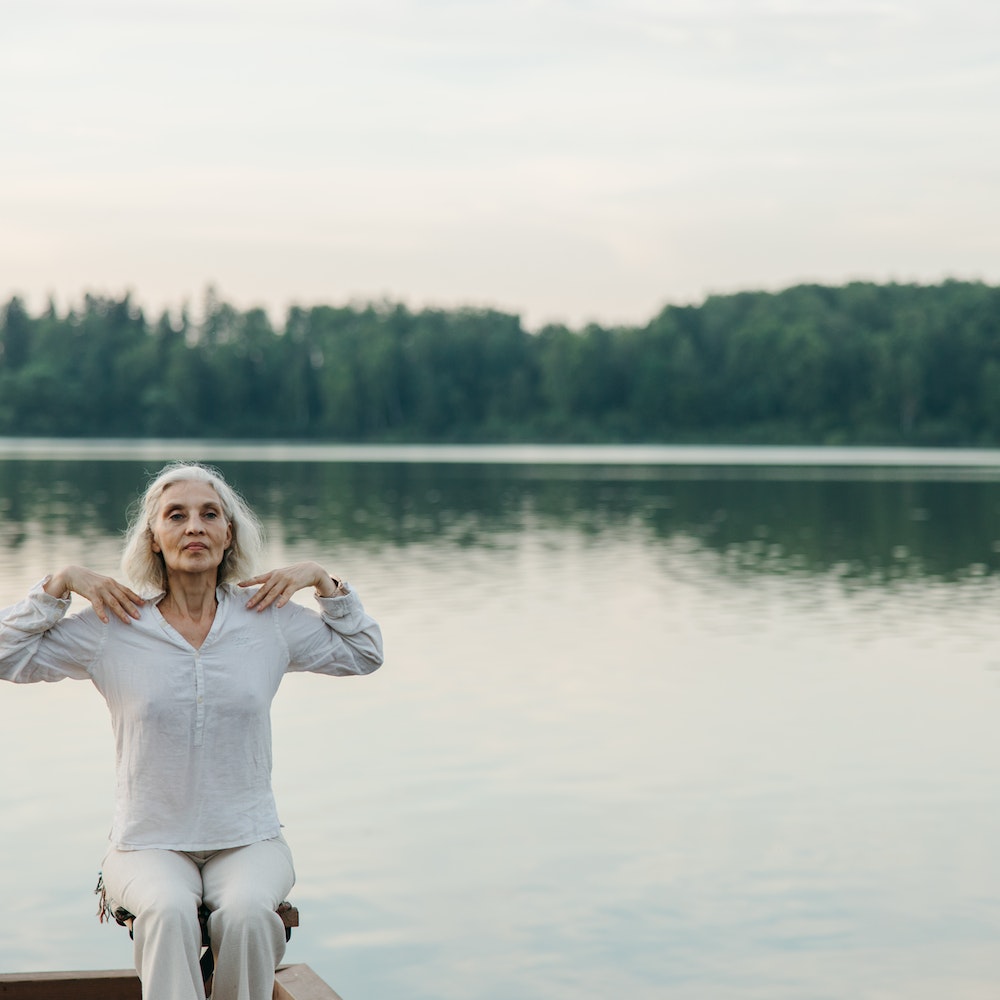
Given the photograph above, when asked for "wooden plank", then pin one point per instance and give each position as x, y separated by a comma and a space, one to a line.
114, 984
291, 982
299, 982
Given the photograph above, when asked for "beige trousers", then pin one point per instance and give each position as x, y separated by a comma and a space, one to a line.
240, 885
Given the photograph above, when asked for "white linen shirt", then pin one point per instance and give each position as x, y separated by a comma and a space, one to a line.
192, 727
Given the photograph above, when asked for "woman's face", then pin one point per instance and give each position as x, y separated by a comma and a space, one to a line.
190, 529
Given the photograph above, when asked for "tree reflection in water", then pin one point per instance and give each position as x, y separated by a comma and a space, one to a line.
874, 525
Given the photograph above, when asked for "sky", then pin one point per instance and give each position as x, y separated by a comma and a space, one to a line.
570, 161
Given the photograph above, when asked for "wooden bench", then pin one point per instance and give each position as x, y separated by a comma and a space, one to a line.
289, 917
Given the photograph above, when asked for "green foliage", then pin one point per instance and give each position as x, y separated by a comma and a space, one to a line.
859, 364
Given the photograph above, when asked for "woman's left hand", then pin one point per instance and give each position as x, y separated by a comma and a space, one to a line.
278, 585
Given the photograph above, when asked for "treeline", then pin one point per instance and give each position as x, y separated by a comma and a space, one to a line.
859, 364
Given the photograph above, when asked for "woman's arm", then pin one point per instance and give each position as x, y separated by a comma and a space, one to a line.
341, 640
37, 642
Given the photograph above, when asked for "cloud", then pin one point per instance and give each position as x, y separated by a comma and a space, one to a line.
567, 159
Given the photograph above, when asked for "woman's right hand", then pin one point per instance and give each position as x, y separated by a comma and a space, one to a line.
104, 592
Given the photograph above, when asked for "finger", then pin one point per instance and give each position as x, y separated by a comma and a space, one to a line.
277, 594
263, 597
273, 596
128, 599
129, 609
257, 597
123, 612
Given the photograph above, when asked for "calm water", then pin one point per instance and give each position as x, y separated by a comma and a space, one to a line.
647, 728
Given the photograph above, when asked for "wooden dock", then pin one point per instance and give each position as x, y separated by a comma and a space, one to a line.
291, 982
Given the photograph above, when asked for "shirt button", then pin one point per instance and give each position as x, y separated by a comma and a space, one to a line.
200, 699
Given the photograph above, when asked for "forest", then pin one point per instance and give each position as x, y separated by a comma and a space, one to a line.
860, 363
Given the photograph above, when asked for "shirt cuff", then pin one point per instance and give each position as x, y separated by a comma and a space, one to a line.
40, 594
340, 605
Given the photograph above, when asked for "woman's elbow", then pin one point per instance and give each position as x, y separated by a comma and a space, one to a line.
373, 660
368, 656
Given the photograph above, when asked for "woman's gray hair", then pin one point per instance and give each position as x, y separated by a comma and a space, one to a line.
145, 568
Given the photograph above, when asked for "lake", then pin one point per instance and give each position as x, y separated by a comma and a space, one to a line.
707, 724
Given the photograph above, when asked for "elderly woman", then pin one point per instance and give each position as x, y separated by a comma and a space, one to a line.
188, 663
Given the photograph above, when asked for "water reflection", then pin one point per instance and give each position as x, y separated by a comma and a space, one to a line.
869, 528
